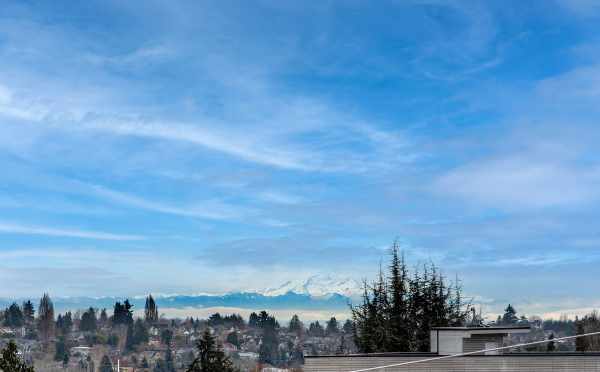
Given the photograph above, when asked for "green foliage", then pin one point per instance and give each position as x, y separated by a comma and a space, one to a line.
60, 349
510, 316
64, 323
140, 332
316, 330
269, 347
13, 316
398, 311
122, 313
253, 320
233, 320
46, 318
332, 327
211, 357
88, 323
28, 312
103, 317
10, 361
348, 327
233, 339
296, 325
150, 310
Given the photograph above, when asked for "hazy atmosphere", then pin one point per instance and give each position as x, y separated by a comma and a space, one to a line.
215, 147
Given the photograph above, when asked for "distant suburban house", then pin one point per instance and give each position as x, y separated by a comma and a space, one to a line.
455, 341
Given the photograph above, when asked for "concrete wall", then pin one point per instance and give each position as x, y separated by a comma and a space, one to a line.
504, 363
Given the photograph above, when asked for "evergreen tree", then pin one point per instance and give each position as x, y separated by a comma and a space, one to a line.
332, 327
211, 357
400, 338
10, 360
46, 318
296, 325
510, 316
105, 365
122, 313
140, 332
269, 346
150, 310
13, 316
253, 320
60, 349
28, 312
398, 313
233, 339
64, 323
363, 321
103, 318
316, 330
348, 327
88, 322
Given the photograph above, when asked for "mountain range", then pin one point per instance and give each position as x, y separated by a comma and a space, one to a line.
319, 292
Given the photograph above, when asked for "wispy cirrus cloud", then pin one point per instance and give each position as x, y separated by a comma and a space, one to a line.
15, 228
209, 209
516, 182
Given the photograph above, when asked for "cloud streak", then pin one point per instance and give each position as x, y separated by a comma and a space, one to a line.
15, 228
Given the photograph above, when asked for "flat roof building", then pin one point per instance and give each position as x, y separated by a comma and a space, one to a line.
456, 341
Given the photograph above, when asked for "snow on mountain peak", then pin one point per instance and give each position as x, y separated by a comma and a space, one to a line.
318, 286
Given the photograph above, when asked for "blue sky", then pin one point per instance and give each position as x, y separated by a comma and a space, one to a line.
214, 146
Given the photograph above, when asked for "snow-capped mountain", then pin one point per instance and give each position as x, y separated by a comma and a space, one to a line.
318, 286
318, 292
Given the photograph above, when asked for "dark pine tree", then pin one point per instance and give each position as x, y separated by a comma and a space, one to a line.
332, 327
400, 338
150, 310
46, 318
10, 360
296, 325
13, 316
28, 312
211, 357
398, 313
510, 316
88, 323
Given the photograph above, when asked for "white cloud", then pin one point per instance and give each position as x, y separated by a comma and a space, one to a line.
519, 182
279, 197
13, 228
209, 209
